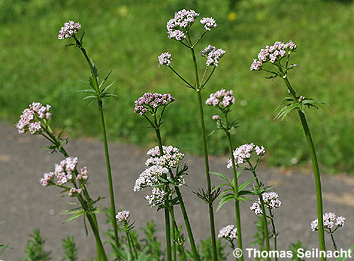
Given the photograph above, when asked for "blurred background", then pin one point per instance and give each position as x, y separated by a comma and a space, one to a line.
127, 37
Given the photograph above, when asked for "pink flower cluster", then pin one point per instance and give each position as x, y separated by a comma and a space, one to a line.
73, 192
212, 54
123, 216
272, 53
330, 220
208, 23
229, 232
63, 172
244, 152
169, 159
182, 21
222, 99
165, 59
68, 30
31, 117
270, 199
151, 101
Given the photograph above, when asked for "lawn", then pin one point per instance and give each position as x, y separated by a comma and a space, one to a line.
127, 37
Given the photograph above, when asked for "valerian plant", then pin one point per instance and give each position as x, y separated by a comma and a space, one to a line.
97, 92
179, 29
278, 56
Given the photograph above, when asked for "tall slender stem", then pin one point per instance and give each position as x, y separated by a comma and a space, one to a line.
237, 202
167, 214
315, 166
188, 226
275, 235
206, 159
104, 135
264, 217
207, 173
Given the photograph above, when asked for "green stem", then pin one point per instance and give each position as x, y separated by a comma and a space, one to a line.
174, 227
180, 241
333, 241
104, 134
167, 215
275, 234
188, 226
264, 216
315, 166
237, 202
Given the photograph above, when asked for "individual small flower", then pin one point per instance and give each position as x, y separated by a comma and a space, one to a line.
244, 153
222, 99
229, 232
330, 221
301, 98
150, 102
165, 59
273, 54
213, 55
216, 118
123, 216
70, 28
208, 23
183, 20
32, 117
73, 192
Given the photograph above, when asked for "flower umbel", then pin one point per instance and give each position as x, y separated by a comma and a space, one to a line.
150, 102
213, 55
165, 59
270, 200
244, 152
70, 28
123, 216
208, 23
222, 99
273, 54
32, 118
330, 221
182, 21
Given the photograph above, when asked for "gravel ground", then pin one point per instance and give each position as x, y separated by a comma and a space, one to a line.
25, 205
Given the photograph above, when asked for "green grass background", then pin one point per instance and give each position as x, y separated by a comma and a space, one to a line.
127, 36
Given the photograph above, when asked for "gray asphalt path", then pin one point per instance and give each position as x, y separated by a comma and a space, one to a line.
26, 205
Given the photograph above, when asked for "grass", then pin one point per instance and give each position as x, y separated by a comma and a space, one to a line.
127, 37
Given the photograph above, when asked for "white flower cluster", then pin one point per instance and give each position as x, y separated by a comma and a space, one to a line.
270, 199
212, 54
183, 20
330, 220
208, 23
272, 53
68, 30
159, 166
165, 59
31, 117
229, 232
222, 99
243, 152
169, 159
157, 196
123, 215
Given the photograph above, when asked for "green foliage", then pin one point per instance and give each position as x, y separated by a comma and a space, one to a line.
70, 249
38, 67
259, 236
2, 246
294, 248
34, 248
206, 253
